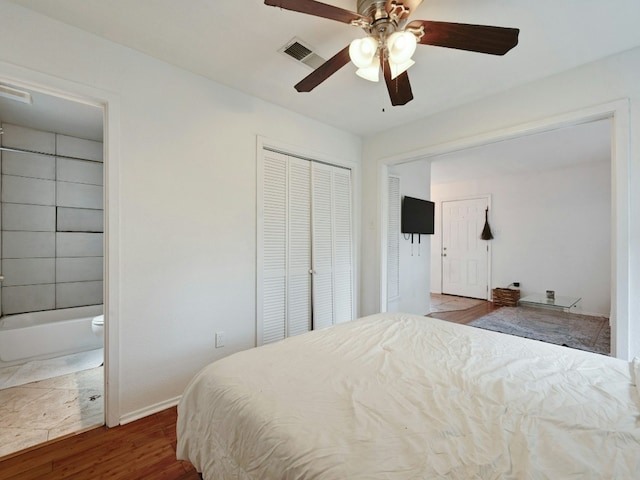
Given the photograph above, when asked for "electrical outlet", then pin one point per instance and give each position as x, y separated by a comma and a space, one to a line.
516, 284
219, 339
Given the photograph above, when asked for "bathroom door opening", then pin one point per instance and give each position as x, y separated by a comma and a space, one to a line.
52, 259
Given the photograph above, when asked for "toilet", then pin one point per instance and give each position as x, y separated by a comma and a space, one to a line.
97, 326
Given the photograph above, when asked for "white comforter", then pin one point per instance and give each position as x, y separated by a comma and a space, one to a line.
396, 396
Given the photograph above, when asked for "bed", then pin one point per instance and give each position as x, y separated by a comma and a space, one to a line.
396, 396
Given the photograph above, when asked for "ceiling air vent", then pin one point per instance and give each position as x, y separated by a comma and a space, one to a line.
302, 53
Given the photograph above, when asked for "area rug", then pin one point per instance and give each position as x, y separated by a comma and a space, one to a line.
583, 332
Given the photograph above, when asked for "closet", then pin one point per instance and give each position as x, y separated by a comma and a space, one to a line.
305, 248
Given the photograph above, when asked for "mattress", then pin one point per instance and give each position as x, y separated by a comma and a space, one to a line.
396, 396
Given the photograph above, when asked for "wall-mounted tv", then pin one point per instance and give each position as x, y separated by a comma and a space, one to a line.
417, 216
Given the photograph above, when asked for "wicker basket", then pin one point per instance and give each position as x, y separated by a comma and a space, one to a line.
506, 297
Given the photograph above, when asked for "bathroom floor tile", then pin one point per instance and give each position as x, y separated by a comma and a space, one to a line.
40, 411
37, 370
15, 439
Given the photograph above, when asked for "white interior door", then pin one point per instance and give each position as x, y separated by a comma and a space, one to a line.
272, 309
299, 247
342, 246
465, 257
322, 246
331, 245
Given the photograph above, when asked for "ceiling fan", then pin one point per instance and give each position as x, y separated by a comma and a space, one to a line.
391, 41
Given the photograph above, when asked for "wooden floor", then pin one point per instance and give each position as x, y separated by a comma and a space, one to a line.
465, 316
145, 449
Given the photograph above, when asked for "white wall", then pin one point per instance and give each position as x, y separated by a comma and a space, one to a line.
415, 274
605, 81
187, 198
551, 231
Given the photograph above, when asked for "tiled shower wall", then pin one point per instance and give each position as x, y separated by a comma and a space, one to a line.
52, 221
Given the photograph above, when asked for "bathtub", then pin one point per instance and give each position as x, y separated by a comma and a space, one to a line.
49, 334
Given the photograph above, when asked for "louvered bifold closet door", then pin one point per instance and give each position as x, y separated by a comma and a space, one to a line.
299, 250
342, 246
322, 245
393, 239
274, 247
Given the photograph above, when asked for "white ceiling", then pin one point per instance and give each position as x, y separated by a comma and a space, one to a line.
53, 114
236, 43
557, 149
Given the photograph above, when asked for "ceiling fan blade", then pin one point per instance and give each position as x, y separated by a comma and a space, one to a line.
317, 9
463, 36
410, 4
324, 71
399, 88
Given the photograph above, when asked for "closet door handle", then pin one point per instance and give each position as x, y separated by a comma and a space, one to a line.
312, 271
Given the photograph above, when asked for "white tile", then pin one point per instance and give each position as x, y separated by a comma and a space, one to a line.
28, 190
79, 171
28, 139
15, 439
78, 294
28, 218
28, 298
28, 271
78, 269
29, 165
79, 195
28, 244
79, 148
78, 244
80, 220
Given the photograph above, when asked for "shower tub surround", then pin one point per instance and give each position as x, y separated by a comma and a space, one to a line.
52, 221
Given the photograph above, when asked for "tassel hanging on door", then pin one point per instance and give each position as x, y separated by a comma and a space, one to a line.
486, 231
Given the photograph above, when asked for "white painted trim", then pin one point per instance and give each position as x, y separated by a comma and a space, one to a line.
149, 410
618, 111
110, 102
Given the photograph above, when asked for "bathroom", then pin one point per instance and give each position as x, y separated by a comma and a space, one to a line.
51, 249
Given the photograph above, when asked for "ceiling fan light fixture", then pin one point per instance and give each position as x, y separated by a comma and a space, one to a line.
362, 51
372, 72
401, 46
399, 68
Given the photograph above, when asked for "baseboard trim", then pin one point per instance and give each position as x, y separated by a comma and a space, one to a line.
149, 410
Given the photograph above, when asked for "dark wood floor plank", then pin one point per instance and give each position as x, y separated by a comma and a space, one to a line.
144, 449
466, 316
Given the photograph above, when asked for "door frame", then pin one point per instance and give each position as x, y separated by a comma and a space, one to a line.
440, 209
110, 105
618, 111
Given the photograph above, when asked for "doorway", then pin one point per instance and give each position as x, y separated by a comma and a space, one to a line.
546, 190
615, 112
52, 262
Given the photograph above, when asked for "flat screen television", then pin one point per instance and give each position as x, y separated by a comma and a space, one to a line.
417, 216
